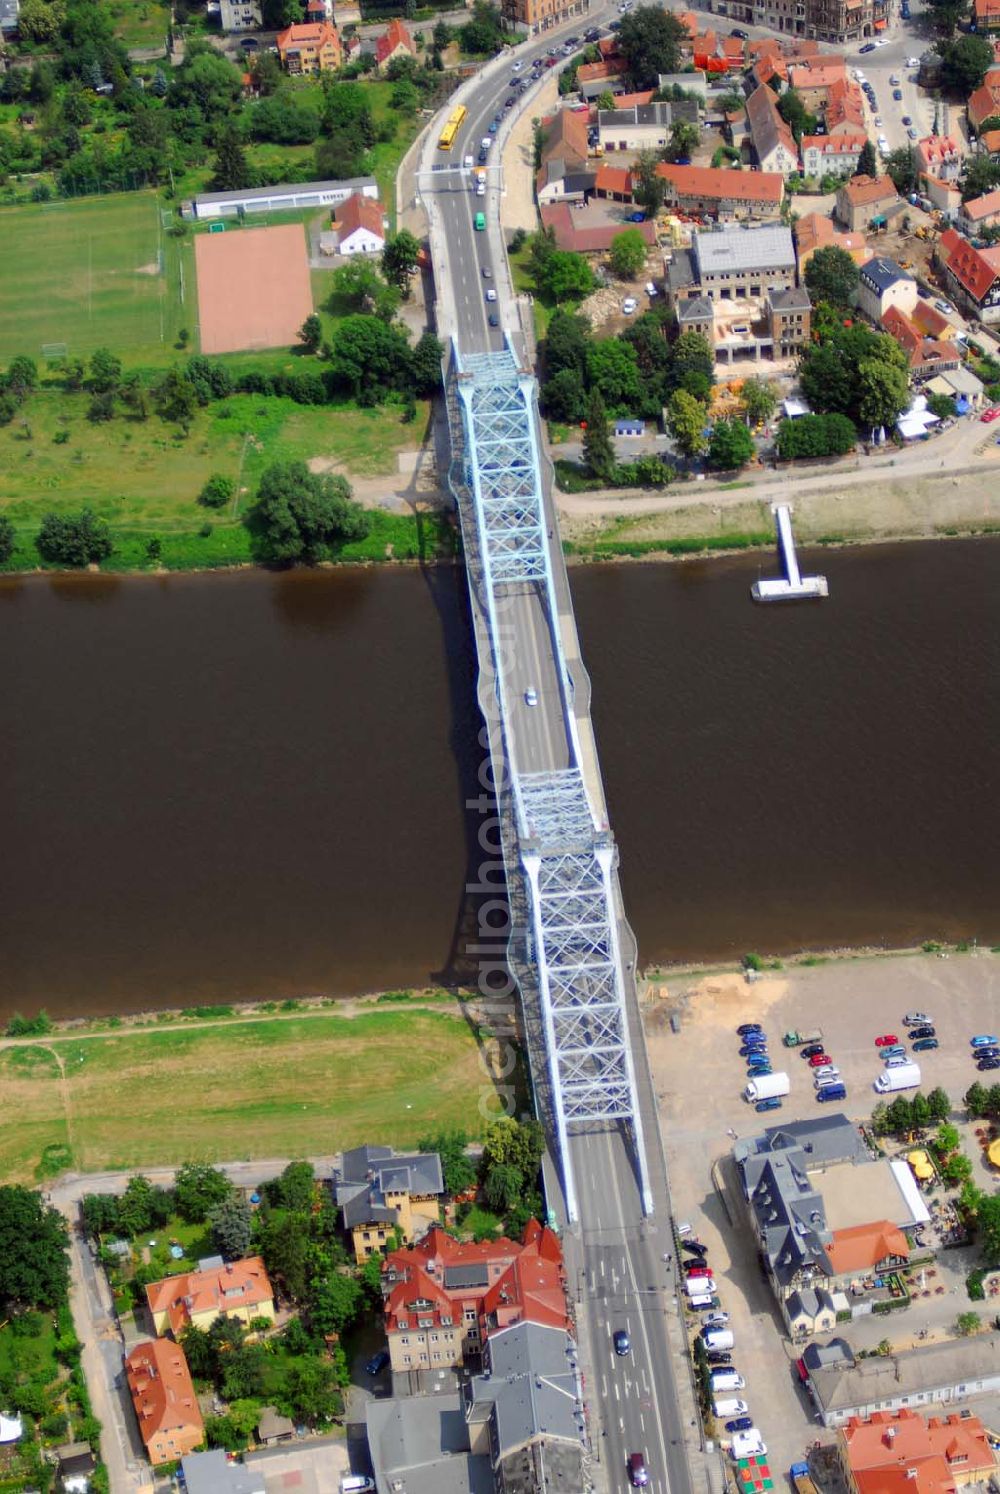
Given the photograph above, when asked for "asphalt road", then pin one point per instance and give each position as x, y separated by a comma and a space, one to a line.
624, 1281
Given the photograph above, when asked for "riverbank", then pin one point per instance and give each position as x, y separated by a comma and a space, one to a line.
299, 1078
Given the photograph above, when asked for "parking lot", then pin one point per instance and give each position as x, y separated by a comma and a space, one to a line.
699, 1080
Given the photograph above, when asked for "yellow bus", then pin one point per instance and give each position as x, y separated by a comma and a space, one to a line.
451, 129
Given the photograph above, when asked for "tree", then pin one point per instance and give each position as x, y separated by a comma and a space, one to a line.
956, 1169
884, 393
966, 1323
34, 1266
217, 491
230, 1224
39, 20
731, 446
685, 137
686, 423
613, 370
867, 161
606, 100
135, 1212
135, 396
945, 15
369, 359
690, 354
286, 1249
405, 97
207, 82
334, 1302
566, 276
982, 174
101, 408
628, 253
199, 1189
7, 539
566, 343
177, 397
310, 1393
276, 14
964, 64
300, 515
21, 377
311, 333
975, 1100
358, 286
758, 400
921, 1111
947, 1139
105, 371
795, 114
296, 1187
400, 258
483, 35
901, 167
832, 276
502, 1187
899, 1116
651, 42
232, 172
598, 451
564, 397
425, 365
456, 1165
989, 1228
941, 405
649, 189
74, 539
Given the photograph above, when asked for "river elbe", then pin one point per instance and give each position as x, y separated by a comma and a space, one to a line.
250, 786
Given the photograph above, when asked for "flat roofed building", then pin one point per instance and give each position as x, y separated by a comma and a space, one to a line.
736, 261
539, 15
952, 1370
288, 197
239, 15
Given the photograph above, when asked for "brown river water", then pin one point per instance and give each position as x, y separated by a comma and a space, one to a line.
241, 786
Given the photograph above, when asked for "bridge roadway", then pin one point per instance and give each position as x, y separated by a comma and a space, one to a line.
626, 1279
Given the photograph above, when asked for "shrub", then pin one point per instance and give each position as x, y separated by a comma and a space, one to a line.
74, 539
217, 491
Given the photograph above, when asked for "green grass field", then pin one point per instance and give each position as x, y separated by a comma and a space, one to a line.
267, 1087
88, 273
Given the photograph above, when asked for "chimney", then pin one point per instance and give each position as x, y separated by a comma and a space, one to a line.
889, 1436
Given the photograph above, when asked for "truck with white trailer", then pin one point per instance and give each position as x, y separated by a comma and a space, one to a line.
766, 1087
903, 1076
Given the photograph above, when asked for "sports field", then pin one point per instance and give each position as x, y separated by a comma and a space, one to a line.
98, 271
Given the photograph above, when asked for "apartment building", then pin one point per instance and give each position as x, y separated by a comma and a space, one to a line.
379, 1193
539, 15
773, 143
164, 1400
309, 48
831, 153
837, 21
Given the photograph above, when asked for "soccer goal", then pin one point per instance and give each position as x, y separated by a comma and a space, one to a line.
52, 351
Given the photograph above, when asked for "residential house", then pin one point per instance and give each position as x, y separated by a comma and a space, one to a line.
845, 110
166, 1407
902, 1452
75, 1463
984, 102
444, 1298
961, 385
595, 78
613, 183
944, 1372
525, 1412
565, 139
237, 1289
240, 15
213, 1473
971, 275
773, 143
987, 16
927, 355
538, 15
810, 1311
979, 213
989, 141
815, 231
865, 1248
360, 225
643, 126
938, 155
883, 283
722, 191
395, 41
836, 21
733, 263
381, 1194
866, 201
556, 182
789, 316
10, 10
944, 196
813, 77
831, 153
767, 69
273, 1428
309, 48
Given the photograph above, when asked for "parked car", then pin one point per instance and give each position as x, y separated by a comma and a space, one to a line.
739, 1424
622, 1343
913, 134
907, 120
748, 1027
945, 307
828, 1072
820, 1060
377, 1363
987, 417
896, 1051
984, 1040
868, 47
697, 1271
887, 1040
924, 1045
834, 1091
988, 1063
718, 1356
629, 305
773, 1102
916, 1019
695, 1247
925, 1030
982, 1053
810, 1050
717, 1320
897, 94
740, 35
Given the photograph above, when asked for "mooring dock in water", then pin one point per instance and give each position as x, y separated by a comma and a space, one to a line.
792, 586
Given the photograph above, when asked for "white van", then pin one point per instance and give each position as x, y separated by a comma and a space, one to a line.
356, 1483
731, 1407
718, 1338
726, 1379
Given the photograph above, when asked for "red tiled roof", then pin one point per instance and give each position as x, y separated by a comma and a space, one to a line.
594, 72
395, 35
927, 317
632, 100
816, 72
861, 190
608, 48
985, 101
987, 10
312, 34
357, 212
768, 68
613, 179
833, 145
863, 1245
927, 1453
990, 140
974, 269
162, 1392
239, 1284
723, 182
565, 137
982, 207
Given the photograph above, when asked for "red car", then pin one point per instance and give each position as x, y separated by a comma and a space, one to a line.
887, 1040
700, 1271
819, 1059
989, 415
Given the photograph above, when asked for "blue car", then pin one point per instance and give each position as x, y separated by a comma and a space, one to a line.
747, 1028
377, 1363
753, 1050
924, 1045
896, 1051
984, 1040
773, 1103
739, 1424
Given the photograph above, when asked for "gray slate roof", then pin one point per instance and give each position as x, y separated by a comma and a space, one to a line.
767, 247
795, 298
698, 309
211, 1473
300, 189
368, 1173
880, 274
423, 1442
930, 1370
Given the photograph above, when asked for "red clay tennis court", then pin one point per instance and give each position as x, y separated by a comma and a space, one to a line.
253, 287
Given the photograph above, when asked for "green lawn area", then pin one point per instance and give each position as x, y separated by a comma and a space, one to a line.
524, 281
139, 23
267, 1087
143, 477
89, 273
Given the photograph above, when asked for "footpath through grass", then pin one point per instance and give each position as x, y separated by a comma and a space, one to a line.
263, 1087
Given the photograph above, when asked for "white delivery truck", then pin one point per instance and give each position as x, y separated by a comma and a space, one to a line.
749, 1444
766, 1087
726, 1379
699, 1286
905, 1076
731, 1407
717, 1338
